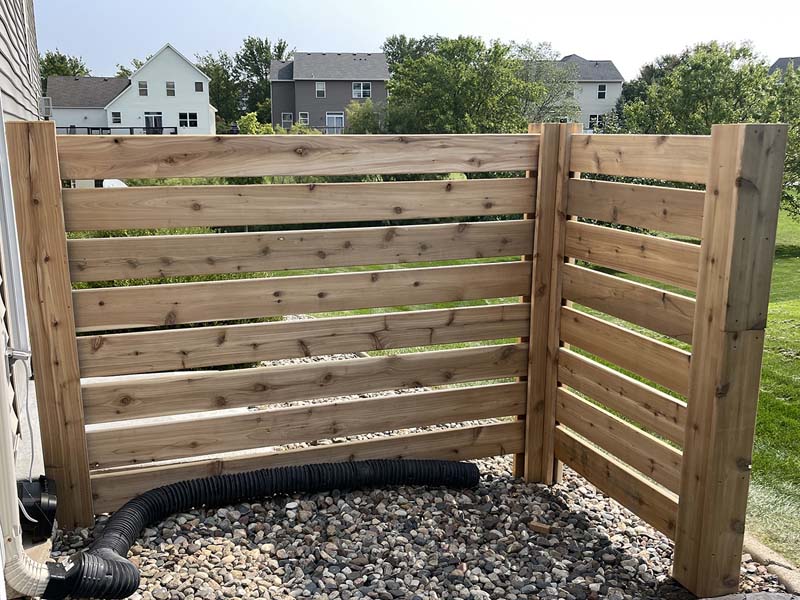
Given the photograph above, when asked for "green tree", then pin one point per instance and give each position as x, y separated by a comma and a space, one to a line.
136, 64
362, 117
463, 86
250, 125
654, 72
55, 62
224, 91
540, 65
252, 64
786, 109
398, 48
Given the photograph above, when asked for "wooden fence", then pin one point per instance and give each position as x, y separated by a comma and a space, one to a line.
644, 383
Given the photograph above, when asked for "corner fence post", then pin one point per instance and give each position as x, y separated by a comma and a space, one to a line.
544, 340
48, 293
738, 241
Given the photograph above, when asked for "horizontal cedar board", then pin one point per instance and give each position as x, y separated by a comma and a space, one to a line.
155, 156
170, 304
673, 210
670, 157
647, 454
659, 259
112, 489
651, 502
197, 437
109, 209
655, 360
660, 413
650, 307
190, 348
195, 391
102, 259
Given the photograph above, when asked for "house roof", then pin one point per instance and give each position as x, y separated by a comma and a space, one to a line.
593, 70
281, 70
332, 65
783, 63
68, 91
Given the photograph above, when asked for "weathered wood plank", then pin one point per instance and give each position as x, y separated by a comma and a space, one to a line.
116, 399
655, 360
118, 446
102, 259
108, 209
176, 349
103, 157
664, 312
651, 502
170, 304
111, 489
672, 210
670, 157
660, 259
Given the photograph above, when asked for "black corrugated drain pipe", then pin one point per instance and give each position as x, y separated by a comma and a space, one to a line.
103, 571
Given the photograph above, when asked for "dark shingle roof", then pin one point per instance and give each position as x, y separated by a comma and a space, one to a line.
593, 70
333, 65
783, 63
84, 92
281, 69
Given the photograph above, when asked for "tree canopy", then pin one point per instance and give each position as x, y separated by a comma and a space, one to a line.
55, 62
224, 91
540, 66
251, 67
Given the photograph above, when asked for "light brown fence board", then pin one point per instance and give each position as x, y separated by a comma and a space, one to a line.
655, 360
673, 210
112, 489
286, 204
647, 454
664, 312
259, 429
190, 348
104, 157
170, 304
670, 157
653, 503
660, 413
101, 259
660, 259
188, 392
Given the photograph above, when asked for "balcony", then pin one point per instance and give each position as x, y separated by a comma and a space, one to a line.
73, 130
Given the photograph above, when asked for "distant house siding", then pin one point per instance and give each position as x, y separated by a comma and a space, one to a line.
19, 61
590, 104
80, 117
338, 95
282, 100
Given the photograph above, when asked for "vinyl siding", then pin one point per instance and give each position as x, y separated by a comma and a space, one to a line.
19, 61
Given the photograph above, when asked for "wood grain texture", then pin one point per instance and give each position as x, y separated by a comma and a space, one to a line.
657, 361
104, 157
664, 312
259, 429
647, 454
109, 209
173, 350
673, 210
111, 489
37, 196
660, 413
116, 399
102, 259
741, 212
170, 304
659, 259
653, 503
670, 157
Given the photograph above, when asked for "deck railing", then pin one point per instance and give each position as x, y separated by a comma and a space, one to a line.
645, 384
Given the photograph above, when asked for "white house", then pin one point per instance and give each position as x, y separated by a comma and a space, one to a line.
168, 94
599, 88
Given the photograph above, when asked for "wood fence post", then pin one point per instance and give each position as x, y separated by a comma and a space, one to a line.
48, 295
738, 242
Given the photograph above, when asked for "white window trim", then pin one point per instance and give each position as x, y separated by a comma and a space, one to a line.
188, 119
360, 88
602, 88
142, 85
303, 120
320, 86
598, 121
116, 120
202, 87
283, 119
168, 88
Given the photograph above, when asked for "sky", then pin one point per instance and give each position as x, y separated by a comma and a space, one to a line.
631, 33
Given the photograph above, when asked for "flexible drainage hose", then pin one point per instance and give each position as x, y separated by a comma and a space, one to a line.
103, 571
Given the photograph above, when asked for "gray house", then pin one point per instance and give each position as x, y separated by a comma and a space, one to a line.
313, 88
782, 64
599, 86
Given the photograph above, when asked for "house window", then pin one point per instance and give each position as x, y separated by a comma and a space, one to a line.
601, 91
320, 89
170, 88
153, 123
187, 119
334, 122
595, 121
116, 118
362, 89
286, 120
198, 86
302, 118
143, 88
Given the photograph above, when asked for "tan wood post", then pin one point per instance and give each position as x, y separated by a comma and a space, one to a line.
48, 294
740, 218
